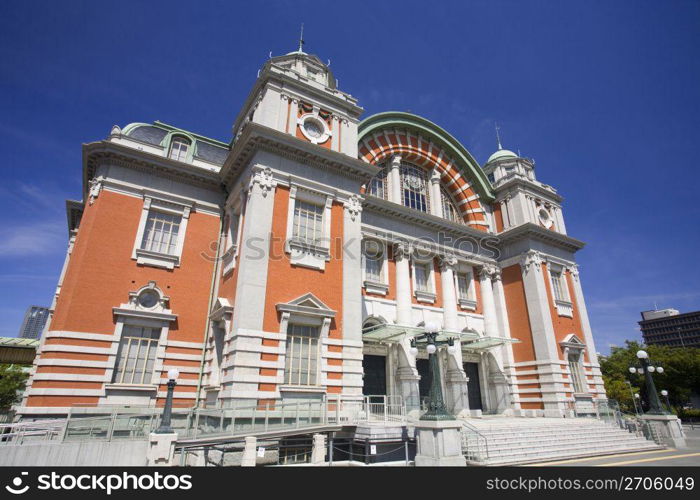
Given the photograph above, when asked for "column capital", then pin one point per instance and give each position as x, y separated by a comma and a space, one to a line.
395, 161
265, 179
435, 176
402, 251
487, 271
447, 262
573, 270
531, 259
353, 206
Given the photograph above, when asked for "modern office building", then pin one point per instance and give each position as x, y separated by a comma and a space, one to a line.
671, 328
298, 259
34, 322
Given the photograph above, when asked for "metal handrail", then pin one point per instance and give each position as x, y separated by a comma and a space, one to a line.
475, 445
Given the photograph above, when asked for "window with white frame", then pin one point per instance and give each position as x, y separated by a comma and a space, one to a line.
378, 184
576, 370
559, 285
137, 355
449, 208
302, 355
179, 146
422, 276
373, 254
161, 232
308, 222
414, 187
464, 283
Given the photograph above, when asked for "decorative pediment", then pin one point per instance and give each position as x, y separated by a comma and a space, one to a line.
220, 309
308, 304
571, 341
148, 302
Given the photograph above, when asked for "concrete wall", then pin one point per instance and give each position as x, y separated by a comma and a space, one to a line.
86, 453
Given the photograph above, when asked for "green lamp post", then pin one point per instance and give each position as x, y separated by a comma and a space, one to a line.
436, 402
646, 369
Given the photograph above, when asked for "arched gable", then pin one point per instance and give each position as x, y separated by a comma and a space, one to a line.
423, 143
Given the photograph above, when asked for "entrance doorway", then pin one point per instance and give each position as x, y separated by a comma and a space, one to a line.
374, 383
473, 386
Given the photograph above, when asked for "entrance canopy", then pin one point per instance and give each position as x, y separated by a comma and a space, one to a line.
391, 334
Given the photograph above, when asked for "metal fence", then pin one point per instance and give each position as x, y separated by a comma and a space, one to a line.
137, 423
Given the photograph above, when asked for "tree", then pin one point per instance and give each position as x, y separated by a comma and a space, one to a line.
680, 378
12, 382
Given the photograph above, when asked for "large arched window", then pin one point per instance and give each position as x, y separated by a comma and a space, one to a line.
414, 187
449, 208
179, 146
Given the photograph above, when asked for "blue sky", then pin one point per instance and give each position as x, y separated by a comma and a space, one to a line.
604, 95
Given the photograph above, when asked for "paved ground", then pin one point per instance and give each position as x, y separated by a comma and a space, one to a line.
670, 457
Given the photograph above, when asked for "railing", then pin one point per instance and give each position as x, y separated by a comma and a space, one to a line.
475, 446
22, 432
137, 423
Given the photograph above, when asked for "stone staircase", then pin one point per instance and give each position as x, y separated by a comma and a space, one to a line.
513, 441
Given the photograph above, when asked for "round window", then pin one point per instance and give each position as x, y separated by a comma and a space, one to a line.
148, 298
313, 128
545, 218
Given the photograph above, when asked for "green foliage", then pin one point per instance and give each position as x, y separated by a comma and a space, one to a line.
681, 374
12, 382
685, 414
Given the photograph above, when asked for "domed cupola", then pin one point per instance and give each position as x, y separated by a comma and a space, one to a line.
504, 163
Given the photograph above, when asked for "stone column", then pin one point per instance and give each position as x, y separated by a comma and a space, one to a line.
402, 256
352, 297
488, 305
582, 312
251, 284
406, 373
394, 178
549, 365
506, 350
449, 294
435, 198
161, 449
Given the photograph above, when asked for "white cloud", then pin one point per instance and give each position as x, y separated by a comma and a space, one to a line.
32, 238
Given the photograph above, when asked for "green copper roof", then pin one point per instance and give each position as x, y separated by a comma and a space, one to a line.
500, 154
464, 160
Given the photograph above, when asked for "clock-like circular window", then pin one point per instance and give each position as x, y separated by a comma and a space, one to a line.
545, 218
148, 299
314, 129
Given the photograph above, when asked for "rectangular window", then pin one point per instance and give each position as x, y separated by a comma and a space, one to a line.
301, 360
308, 222
137, 355
577, 377
558, 286
463, 284
178, 149
422, 277
374, 261
160, 233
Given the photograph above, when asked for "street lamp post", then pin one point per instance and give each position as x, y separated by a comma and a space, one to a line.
646, 369
664, 393
436, 402
164, 427
634, 396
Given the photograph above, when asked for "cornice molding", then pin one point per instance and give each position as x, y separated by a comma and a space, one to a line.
385, 207
256, 137
530, 230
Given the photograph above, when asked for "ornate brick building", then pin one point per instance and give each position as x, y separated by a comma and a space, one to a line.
298, 261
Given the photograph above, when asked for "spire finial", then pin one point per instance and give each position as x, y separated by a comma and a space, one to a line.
498, 135
301, 38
